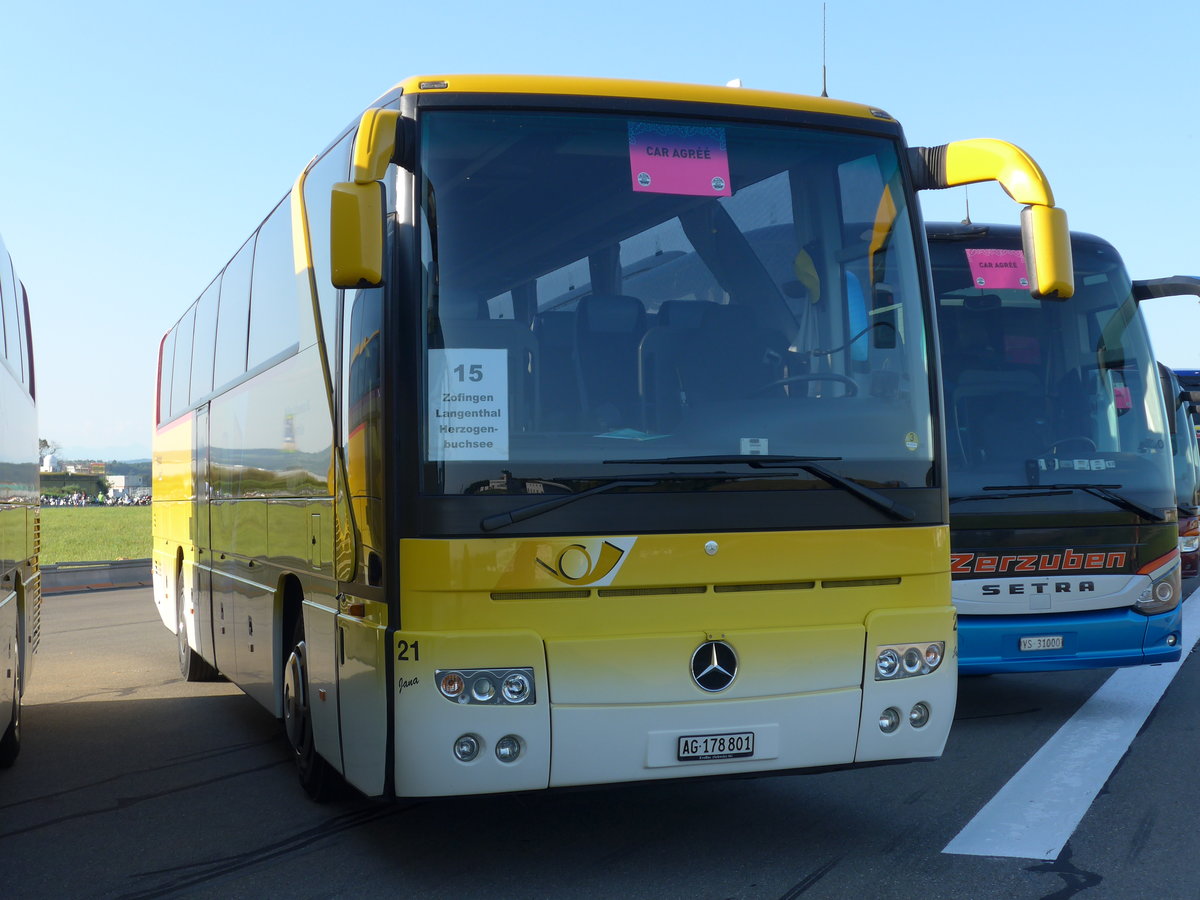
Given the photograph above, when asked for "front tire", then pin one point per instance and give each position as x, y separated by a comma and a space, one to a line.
192, 666
319, 779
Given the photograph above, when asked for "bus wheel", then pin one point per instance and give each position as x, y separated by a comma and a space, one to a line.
317, 777
10, 744
192, 666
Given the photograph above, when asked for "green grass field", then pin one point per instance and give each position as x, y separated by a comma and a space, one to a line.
94, 533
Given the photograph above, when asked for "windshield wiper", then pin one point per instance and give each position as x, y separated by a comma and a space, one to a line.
1008, 496
809, 464
521, 513
1103, 491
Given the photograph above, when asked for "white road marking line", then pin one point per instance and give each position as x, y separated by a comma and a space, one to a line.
1036, 812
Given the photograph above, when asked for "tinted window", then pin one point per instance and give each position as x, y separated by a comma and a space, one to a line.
362, 370
205, 340
12, 328
333, 167
30, 380
233, 318
165, 365
274, 314
1044, 392
8, 292
24, 341
724, 315
182, 369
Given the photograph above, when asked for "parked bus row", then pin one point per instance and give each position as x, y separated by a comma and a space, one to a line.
696, 331
602, 416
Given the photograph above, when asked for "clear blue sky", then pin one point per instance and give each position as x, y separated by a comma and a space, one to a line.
143, 141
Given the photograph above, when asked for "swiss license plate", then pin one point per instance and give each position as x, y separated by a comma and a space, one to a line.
716, 746
1042, 642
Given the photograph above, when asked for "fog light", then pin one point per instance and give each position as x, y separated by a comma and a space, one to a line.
452, 684
912, 660
889, 720
1172, 640
918, 716
508, 748
466, 748
933, 656
887, 663
515, 688
482, 689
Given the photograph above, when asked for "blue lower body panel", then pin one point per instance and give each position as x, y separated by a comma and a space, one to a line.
1091, 640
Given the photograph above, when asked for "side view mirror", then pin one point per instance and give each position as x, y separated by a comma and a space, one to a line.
1046, 240
1045, 234
356, 217
356, 235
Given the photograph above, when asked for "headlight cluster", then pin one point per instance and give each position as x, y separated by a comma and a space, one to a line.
1189, 534
908, 660
496, 687
1163, 593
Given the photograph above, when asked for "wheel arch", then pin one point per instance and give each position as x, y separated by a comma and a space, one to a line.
289, 608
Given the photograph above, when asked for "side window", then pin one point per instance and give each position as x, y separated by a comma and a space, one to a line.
31, 380
181, 379
20, 314
12, 329
233, 318
333, 167
274, 310
362, 370
501, 306
205, 340
166, 365
8, 291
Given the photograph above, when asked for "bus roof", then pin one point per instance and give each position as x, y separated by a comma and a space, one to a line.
623, 88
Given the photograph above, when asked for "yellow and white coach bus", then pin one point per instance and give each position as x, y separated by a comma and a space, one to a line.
559, 431
20, 581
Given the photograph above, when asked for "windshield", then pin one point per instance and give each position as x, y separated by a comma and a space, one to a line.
1046, 392
603, 287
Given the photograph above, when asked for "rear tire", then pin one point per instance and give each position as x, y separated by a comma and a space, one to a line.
319, 779
192, 666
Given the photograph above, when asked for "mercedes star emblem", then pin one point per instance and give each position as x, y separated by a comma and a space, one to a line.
714, 666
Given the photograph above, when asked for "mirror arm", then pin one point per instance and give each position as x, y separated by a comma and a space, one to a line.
1173, 286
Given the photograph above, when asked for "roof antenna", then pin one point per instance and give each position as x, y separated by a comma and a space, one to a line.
824, 78
967, 199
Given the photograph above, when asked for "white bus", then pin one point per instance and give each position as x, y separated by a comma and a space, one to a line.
20, 536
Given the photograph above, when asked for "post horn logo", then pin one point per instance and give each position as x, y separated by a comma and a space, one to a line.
591, 563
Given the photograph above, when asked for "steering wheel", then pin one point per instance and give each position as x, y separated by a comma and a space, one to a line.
850, 383
1083, 439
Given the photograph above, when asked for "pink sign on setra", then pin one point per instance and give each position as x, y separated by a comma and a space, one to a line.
678, 159
998, 269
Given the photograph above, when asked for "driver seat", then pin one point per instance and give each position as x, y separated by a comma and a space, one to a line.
728, 357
